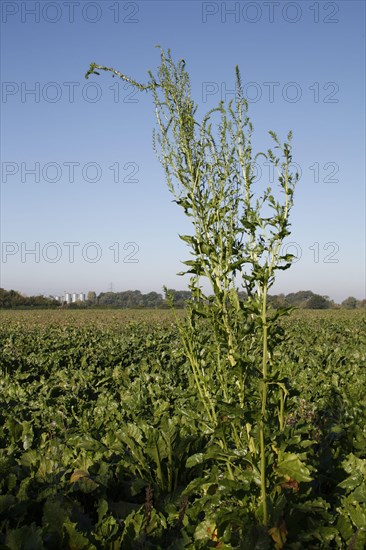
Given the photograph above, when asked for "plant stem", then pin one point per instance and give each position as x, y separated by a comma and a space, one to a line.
264, 405
282, 409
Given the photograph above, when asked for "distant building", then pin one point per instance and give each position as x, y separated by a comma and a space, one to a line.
71, 297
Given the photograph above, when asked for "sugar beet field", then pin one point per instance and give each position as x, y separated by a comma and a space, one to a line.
110, 439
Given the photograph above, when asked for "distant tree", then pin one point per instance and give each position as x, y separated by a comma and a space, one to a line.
92, 297
4, 298
277, 300
13, 299
180, 297
108, 299
152, 300
126, 299
349, 303
299, 299
317, 302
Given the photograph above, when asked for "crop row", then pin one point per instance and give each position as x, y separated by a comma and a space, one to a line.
103, 443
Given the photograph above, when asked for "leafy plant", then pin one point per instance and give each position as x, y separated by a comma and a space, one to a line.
72, 474
210, 169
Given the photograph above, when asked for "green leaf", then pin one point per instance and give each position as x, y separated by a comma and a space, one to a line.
354, 464
76, 540
25, 538
27, 435
327, 533
54, 515
344, 526
102, 510
85, 441
6, 501
206, 530
351, 482
188, 239
195, 459
290, 466
358, 515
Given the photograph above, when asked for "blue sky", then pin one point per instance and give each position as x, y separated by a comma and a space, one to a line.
65, 143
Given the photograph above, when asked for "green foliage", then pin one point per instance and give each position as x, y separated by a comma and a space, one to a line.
232, 345
13, 299
349, 303
317, 302
102, 443
209, 164
128, 299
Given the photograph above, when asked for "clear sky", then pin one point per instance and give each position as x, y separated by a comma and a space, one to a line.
76, 155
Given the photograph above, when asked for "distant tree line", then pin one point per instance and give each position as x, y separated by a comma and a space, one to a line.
134, 299
14, 299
